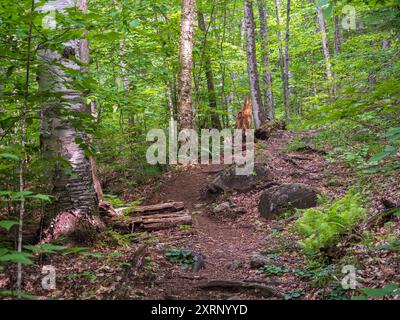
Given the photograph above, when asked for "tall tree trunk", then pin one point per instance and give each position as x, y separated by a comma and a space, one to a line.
259, 116
242, 33
325, 48
212, 98
287, 61
169, 85
338, 41
74, 189
186, 120
269, 95
23, 113
283, 57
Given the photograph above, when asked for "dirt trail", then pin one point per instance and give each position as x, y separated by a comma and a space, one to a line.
228, 244
225, 245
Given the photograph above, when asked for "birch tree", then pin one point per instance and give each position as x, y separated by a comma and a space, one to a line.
284, 54
259, 115
72, 181
186, 43
325, 46
268, 93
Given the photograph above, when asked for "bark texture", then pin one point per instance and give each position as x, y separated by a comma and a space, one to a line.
336, 24
284, 56
186, 120
287, 61
325, 46
71, 178
268, 93
259, 116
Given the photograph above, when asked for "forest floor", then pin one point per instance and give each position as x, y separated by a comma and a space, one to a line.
227, 244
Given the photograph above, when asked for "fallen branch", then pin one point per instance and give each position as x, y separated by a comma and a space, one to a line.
137, 260
241, 285
154, 222
301, 158
156, 208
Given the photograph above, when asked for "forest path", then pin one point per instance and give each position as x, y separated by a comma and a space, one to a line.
227, 244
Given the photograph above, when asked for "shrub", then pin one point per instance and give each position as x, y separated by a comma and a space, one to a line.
322, 227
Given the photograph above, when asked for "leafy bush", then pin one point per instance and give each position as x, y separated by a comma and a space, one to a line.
296, 145
271, 269
318, 275
293, 295
322, 227
392, 149
11, 256
185, 258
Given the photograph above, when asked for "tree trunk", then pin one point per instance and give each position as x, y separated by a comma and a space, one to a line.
284, 56
186, 120
287, 61
325, 48
212, 98
259, 116
337, 33
74, 188
269, 96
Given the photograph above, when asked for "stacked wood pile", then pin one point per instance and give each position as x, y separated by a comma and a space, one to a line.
152, 218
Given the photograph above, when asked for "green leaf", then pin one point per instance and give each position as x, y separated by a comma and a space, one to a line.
7, 224
45, 248
389, 151
9, 156
359, 298
134, 23
186, 253
391, 288
21, 195
17, 257
374, 293
25, 295
43, 197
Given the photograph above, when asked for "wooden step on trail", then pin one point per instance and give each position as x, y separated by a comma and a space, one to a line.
153, 217
154, 209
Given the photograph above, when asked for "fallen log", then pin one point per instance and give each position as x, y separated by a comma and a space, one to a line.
156, 208
166, 221
263, 289
154, 222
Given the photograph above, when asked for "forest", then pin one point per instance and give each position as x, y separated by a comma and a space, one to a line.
199, 150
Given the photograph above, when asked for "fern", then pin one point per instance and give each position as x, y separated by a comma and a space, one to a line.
322, 227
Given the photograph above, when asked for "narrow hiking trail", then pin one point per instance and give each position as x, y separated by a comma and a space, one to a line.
228, 244
223, 244
235, 247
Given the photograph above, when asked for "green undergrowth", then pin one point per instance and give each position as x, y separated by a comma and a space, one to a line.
323, 226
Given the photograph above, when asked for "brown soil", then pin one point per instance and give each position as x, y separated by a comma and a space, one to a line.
227, 244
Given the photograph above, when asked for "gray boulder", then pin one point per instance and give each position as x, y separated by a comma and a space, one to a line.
258, 261
229, 181
228, 210
223, 207
286, 197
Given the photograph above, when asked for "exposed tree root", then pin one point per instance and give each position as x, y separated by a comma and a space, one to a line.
262, 288
73, 227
